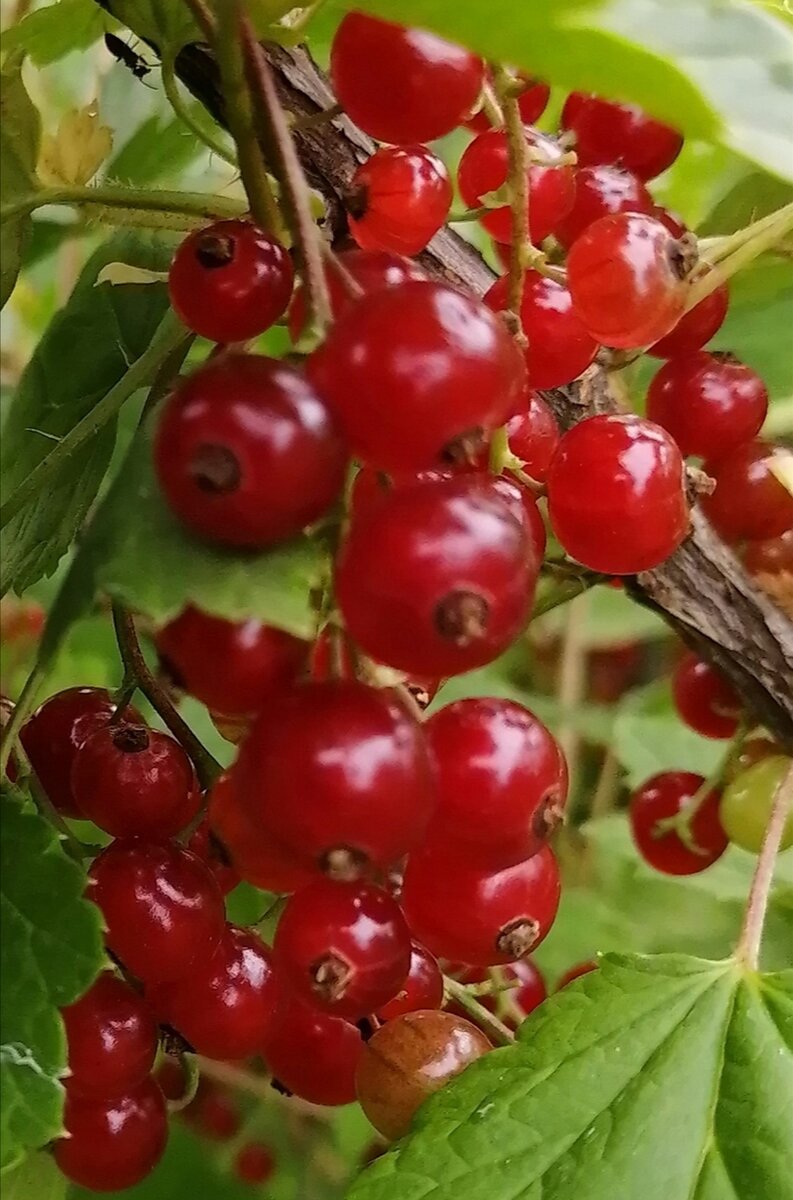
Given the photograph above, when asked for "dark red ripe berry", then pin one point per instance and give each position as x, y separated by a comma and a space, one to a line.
749, 501
422, 989
55, 732
313, 1054
710, 403
629, 279
501, 779
214, 856
523, 505
696, 327
247, 453
559, 347
370, 269
705, 700
584, 968
670, 220
401, 85
665, 796
607, 132
254, 1163
601, 191
234, 667
532, 103
343, 947
470, 913
398, 415
439, 579
483, 169
135, 782
112, 1144
533, 436
162, 907
230, 281
225, 1006
111, 1038
615, 494
398, 199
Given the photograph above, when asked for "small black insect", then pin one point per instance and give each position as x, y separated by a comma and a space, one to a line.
126, 55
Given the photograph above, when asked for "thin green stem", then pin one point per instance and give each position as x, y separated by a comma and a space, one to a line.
738, 251
748, 948
518, 184
682, 822
200, 205
496, 1030
22, 709
192, 1078
567, 587
213, 143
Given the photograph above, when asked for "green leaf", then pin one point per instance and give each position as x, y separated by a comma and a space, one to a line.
51, 33
650, 737
159, 149
20, 133
166, 23
667, 1078
754, 196
758, 324
36, 1179
51, 950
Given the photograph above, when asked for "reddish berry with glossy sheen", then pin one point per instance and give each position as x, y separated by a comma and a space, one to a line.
584, 968
696, 327
749, 501
162, 907
247, 453
462, 910
55, 732
483, 169
234, 667
256, 857
602, 191
670, 220
213, 854
354, 766
370, 269
710, 403
559, 347
439, 579
705, 700
664, 796
628, 277
313, 1054
533, 436
401, 85
111, 1039
501, 779
615, 494
532, 102
398, 199
523, 504
397, 414
607, 132
254, 1163
230, 281
112, 1144
343, 947
422, 989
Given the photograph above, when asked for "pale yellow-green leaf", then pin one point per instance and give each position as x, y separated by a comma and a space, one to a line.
78, 149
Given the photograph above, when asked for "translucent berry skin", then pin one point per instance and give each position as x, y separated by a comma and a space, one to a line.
370, 269
111, 1039
607, 132
423, 987
354, 765
615, 494
398, 199
532, 102
462, 910
710, 403
601, 191
162, 907
576, 972
409, 1059
230, 281
247, 453
214, 856
226, 1005
343, 947
628, 277
559, 347
439, 580
55, 732
704, 699
313, 1054
254, 1163
523, 505
696, 327
749, 501
401, 85
533, 436
372, 372
747, 802
115, 1143
663, 796
234, 667
483, 169
670, 220
135, 782
501, 779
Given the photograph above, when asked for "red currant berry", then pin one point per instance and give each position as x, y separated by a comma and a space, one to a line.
710, 403
398, 199
422, 989
214, 1113
501, 779
615, 494
629, 279
254, 1163
401, 85
397, 414
576, 972
696, 327
214, 856
523, 505
532, 102
749, 501
246, 452
111, 1038
533, 436
666, 796
771, 558
370, 269
468, 912
440, 579
230, 281
55, 732
312, 1054
112, 1144
607, 132
162, 907
670, 220
704, 699
559, 347
601, 191
483, 169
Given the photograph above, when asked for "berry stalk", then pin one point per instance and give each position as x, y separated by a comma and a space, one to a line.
748, 949
518, 185
495, 1029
